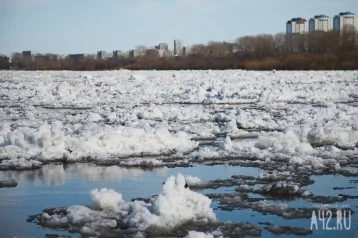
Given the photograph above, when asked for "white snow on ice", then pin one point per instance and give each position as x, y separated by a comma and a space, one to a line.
196, 234
62, 115
174, 206
52, 141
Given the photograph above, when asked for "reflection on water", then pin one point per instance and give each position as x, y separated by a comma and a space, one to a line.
56, 175
66, 185
324, 185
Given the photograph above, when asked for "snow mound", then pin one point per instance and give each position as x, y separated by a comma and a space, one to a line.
125, 142
90, 140
286, 142
47, 142
106, 199
191, 180
346, 139
174, 206
196, 234
312, 161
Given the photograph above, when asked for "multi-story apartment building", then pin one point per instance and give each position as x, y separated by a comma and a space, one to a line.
162, 46
120, 54
319, 23
134, 53
164, 53
28, 55
104, 55
296, 26
178, 47
344, 21
76, 57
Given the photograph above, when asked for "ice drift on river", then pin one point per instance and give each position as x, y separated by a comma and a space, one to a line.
174, 206
196, 234
108, 116
54, 141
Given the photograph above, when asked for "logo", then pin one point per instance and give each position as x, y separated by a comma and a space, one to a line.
322, 218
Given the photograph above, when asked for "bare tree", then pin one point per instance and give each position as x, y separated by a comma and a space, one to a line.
141, 49
219, 49
199, 49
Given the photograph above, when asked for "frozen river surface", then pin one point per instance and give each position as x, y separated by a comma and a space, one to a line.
263, 150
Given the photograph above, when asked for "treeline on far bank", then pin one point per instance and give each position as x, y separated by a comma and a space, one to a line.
315, 51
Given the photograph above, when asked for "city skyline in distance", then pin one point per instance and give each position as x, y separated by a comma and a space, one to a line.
53, 26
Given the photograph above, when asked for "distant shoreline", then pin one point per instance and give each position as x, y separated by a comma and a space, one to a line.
290, 62
316, 51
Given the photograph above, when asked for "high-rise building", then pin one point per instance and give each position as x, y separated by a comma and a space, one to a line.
184, 51
76, 57
104, 55
119, 54
296, 26
162, 46
344, 21
101, 54
319, 23
163, 53
178, 47
134, 53
28, 55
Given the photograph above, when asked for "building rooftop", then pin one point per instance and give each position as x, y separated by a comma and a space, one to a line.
320, 16
297, 20
346, 13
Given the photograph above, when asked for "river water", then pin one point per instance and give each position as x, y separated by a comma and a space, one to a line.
65, 185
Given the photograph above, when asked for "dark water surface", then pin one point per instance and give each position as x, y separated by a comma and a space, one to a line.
67, 185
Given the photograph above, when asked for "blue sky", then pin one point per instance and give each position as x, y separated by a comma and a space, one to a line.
85, 26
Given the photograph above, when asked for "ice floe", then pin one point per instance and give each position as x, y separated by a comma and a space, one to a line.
173, 207
54, 141
299, 118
